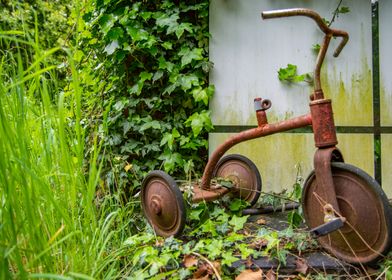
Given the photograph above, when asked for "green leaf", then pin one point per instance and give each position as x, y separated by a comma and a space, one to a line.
115, 33
228, 258
214, 249
167, 45
183, 27
237, 205
188, 81
344, 10
238, 222
199, 121
145, 76
150, 124
195, 214
170, 22
200, 94
111, 48
137, 34
188, 55
294, 218
106, 22
169, 138
157, 75
165, 65
209, 227
171, 160
316, 47
245, 250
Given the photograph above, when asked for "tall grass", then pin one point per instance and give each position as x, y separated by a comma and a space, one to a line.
50, 226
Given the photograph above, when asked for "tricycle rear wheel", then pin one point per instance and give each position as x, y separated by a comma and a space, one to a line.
367, 233
243, 173
163, 204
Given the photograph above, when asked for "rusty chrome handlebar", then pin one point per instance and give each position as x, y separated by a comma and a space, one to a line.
329, 32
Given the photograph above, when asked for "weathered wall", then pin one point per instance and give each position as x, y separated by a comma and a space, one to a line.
247, 53
386, 91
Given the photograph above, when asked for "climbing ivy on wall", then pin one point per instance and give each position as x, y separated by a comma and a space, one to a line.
150, 70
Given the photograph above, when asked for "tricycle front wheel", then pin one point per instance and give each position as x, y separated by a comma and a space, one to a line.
367, 233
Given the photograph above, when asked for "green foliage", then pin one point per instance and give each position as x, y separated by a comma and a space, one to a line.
289, 74
46, 23
151, 64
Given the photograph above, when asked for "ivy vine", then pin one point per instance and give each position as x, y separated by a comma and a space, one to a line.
151, 74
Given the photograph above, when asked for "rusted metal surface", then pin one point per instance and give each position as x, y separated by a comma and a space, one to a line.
322, 166
261, 105
366, 235
323, 123
163, 204
243, 174
208, 195
329, 33
249, 134
270, 209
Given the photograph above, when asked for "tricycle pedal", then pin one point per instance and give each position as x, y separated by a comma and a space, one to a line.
328, 227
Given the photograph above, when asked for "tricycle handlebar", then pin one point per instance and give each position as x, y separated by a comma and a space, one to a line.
329, 32
316, 17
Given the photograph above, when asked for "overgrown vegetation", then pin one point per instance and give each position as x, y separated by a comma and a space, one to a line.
150, 60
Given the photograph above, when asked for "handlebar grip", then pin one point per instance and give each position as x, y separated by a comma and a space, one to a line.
344, 35
316, 17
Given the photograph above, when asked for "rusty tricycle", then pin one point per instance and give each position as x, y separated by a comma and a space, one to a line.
343, 206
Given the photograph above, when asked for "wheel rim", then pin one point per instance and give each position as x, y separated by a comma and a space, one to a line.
366, 235
163, 204
243, 173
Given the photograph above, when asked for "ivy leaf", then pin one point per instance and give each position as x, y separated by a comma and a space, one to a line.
171, 160
199, 121
237, 205
169, 138
228, 258
214, 249
238, 222
287, 73
182, 27
145, 76
150, 124
106, 22
187, 55
136, 88
294, 218
344, 10
137, 34
209, 227
115, 33
195, 214
245, 250
157, 75
168, 21
188, 81
167, 45
200, 94
165, 65
111, 48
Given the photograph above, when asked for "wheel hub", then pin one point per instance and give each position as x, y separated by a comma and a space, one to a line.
156, 206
